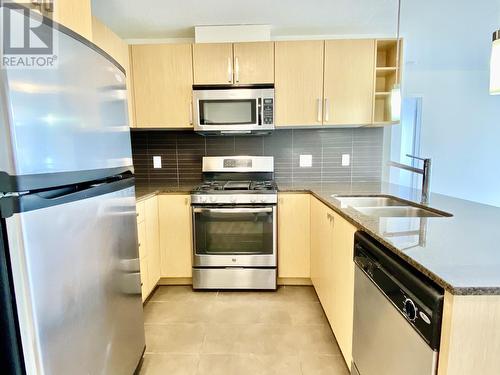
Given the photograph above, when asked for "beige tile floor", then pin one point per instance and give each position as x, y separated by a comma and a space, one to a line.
225, 333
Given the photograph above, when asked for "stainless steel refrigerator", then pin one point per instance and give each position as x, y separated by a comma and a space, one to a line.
70, 295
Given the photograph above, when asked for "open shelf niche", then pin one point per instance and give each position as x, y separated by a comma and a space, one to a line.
387, 73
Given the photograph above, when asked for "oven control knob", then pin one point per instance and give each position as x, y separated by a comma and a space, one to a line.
213, 199
233, 200
410, 310
253, 200
263, 200
203, 200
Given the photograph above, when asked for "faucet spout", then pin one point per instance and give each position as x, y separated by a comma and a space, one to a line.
425, 171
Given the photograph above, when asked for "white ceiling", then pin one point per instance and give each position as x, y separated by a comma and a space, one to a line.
163, 19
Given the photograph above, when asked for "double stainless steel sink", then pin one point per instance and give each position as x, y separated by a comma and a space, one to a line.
386, 206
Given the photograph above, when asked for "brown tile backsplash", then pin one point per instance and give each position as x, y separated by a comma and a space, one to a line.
181, 153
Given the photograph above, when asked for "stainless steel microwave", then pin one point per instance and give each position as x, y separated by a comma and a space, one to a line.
233, 110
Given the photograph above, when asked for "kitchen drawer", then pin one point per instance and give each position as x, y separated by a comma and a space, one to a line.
141, 211
141, 235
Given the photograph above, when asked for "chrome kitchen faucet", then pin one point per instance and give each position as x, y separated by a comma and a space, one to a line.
425, 172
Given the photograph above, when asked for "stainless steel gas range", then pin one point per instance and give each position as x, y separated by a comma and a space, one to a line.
234, 224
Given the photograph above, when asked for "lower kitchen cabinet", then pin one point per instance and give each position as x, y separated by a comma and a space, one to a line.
332, 271
294, 235
175, 235
342, 279
322, 254
153, 241
149, 244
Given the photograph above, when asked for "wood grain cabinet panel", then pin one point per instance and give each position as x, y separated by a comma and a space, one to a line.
348, 82
299, 82
111, 43
321, 253
253, 62
74, 14
294, 236
332, 271
213, 63
175, 235
342, 279
153, 242
162, 85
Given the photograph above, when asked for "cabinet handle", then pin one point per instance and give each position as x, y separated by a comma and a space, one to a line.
327, 110
229, 70
237, 69
48, 6
139, 244
319, 110
330, 217
191, 113
137, 214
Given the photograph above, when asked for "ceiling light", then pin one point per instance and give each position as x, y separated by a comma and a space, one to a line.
396, 102
495, 65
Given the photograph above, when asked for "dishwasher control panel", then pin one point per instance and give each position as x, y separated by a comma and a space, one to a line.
419, 301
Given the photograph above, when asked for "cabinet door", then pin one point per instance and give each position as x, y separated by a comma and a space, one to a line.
142, 240
349, 82
162, 85
213, 63
321, 253
294, 236
343, 284
105, 38
144, 279
74, 14
299, 82
175, 235
253, 62
153, 241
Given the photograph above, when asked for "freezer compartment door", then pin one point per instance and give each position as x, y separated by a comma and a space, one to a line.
76, 278
65, 124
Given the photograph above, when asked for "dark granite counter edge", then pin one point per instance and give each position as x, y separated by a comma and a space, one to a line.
142, 194
438, 280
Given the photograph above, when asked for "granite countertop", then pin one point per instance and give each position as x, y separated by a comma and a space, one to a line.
459, 253
146, 191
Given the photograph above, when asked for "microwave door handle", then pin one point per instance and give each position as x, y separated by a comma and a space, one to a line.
260, 110
234, 210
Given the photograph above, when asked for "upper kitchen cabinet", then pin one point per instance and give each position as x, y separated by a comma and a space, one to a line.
387, 75
253, 62
299, 83
238, 63
348, 82
162, 85
111, 43
74, 14
213, 63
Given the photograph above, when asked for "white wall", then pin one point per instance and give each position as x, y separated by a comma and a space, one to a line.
446, 62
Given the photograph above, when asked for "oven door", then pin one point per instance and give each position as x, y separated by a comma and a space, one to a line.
234, 236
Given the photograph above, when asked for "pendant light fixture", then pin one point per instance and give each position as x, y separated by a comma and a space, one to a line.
495, 65
396, 89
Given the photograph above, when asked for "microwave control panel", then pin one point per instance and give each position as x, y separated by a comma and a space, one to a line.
268, 110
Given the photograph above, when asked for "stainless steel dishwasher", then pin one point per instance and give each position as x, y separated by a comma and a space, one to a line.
397, 314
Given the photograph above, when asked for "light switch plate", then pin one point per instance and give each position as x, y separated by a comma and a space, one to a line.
156, 162
346, 160
305, 161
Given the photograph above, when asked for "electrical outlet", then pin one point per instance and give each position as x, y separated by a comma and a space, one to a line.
346, 160
305, 161
156, 162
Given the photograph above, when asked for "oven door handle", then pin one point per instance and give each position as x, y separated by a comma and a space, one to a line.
234, 210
